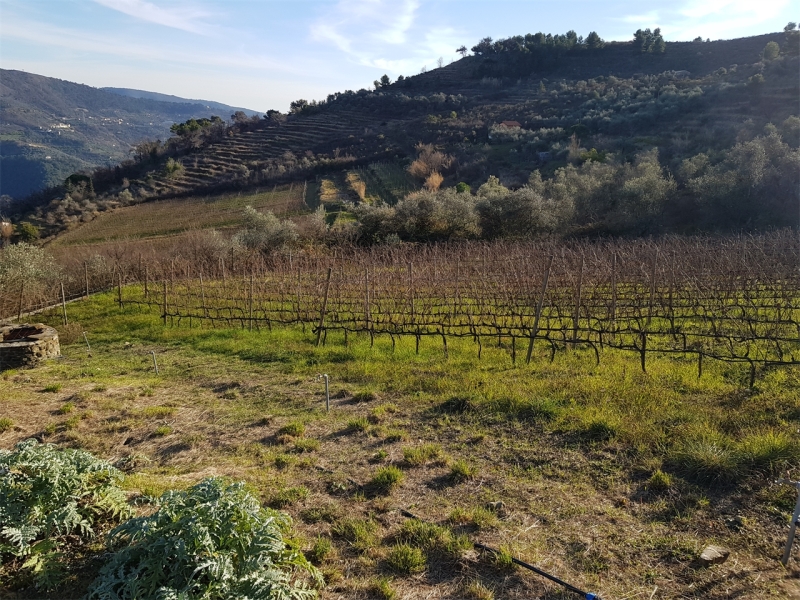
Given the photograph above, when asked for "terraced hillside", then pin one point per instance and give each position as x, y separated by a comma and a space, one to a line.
695, 98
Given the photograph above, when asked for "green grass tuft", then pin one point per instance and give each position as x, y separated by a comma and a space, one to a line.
321, 549
357, 424
288, 496
386, 479
461, 470
659, 482
293, 429
406, 560
422, 455
361, 534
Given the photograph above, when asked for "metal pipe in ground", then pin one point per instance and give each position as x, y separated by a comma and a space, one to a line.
530, 567
327, 391
787, 551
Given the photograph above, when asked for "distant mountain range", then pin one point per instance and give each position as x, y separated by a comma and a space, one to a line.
223, 110
50, 128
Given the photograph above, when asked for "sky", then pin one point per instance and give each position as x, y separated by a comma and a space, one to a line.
262, 54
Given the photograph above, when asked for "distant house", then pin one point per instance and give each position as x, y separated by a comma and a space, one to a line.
504, 125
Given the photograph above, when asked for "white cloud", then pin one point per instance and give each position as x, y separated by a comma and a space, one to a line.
721, 19
715, 19
184, 17
113, 44
362, 26
385, 35
646, 18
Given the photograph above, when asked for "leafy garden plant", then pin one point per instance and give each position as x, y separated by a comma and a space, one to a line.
50, 497
213, 540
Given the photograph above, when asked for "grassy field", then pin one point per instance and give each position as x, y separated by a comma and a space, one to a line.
608, 477
168, 217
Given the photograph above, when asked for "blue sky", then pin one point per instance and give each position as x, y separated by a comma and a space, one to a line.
262, 54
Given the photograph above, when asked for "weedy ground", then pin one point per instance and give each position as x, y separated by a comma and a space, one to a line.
610, 478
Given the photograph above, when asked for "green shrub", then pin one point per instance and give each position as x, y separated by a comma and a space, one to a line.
406, 559
220, 542
66, 408
6, 424
52, 388
386, 478
51, 497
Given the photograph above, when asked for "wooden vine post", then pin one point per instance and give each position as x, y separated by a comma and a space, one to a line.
577, 315
643, 349
367, 315
164, 304
203, 295
63, 303
324, 306
21, 295
86, 279
540, 304
614, 297
119, 287
250, 301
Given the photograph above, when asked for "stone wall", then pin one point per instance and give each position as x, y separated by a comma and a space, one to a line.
26, 344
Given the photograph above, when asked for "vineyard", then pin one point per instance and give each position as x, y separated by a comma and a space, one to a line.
165, 217
388, 181
729, 299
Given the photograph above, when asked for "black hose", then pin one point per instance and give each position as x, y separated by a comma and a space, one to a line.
538, 571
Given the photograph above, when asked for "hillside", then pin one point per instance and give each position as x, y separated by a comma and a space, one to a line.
605, 119
51, 128
216, 107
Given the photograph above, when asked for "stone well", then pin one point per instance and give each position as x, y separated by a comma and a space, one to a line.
26, 344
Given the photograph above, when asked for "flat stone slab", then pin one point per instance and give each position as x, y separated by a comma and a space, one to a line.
714, 555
